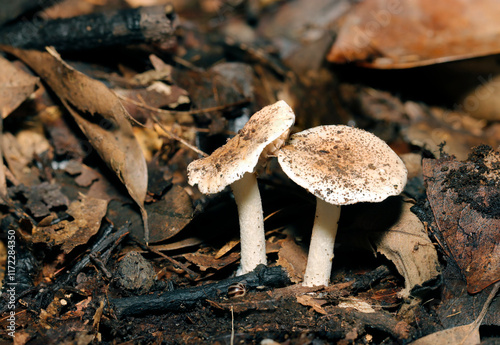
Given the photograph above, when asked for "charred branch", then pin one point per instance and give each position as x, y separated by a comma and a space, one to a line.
115, 28
182, 299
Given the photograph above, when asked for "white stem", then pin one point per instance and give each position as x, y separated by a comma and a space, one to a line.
319, 259
252, 237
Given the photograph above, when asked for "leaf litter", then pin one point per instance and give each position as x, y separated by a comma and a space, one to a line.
186, 105
101, 116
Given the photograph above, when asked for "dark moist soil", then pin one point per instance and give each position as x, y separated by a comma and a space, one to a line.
262, 314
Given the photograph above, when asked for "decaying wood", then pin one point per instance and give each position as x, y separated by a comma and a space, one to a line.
185, 298
116, 28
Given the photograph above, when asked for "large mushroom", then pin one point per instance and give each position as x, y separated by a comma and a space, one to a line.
340, 165
234, 164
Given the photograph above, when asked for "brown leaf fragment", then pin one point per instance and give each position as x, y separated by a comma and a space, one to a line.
100, 116
16, 86
170, 215
206, 261
86, 175
402, 34
41, 198
64, 141
293, 259
87, 215
464, 335
310, 301
157, 95
18, 164
408, 246
464, 200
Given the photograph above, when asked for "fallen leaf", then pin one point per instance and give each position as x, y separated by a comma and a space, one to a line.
170, 215
401, 34
310, 301
101, 117
16, 86
226, 248
462, 335
157, 95
41, 198
293, 259
65, 142
206, 261
356, 303
18, 164
87, 215
464, 200
408, 246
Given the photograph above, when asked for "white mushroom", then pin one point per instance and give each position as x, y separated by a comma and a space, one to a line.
340, 165
234, 164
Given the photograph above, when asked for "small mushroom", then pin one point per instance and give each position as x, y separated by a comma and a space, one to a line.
340, 165
234, 164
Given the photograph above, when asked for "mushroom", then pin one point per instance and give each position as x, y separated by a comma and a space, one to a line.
234, 164
340, 165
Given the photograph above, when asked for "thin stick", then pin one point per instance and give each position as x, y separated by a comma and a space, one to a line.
168, 132
192, 275
176, 137
190, 112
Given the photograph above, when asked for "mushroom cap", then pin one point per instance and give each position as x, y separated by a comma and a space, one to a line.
241, 153
343, 165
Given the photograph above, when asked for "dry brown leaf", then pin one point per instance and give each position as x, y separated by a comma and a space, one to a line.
170, 214
205, 261
408, 246
87, 215
100, 116
16, 86
293, 259
157, 95
17, 163
400, 34
309, 301
226, 248
356, 303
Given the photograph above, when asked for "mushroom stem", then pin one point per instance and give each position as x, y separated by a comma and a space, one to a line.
319, 259
252, 237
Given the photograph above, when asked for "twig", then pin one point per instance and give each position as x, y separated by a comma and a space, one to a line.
107, 238
176, 137
100, 265
189, 112
191, 273
184, 299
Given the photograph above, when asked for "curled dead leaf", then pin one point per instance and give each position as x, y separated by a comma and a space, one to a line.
101, 117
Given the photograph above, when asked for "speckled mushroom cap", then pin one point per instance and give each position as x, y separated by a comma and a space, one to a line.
241, 153
343, 165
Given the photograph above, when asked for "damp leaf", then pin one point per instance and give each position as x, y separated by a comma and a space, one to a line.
461, 335
464, 200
